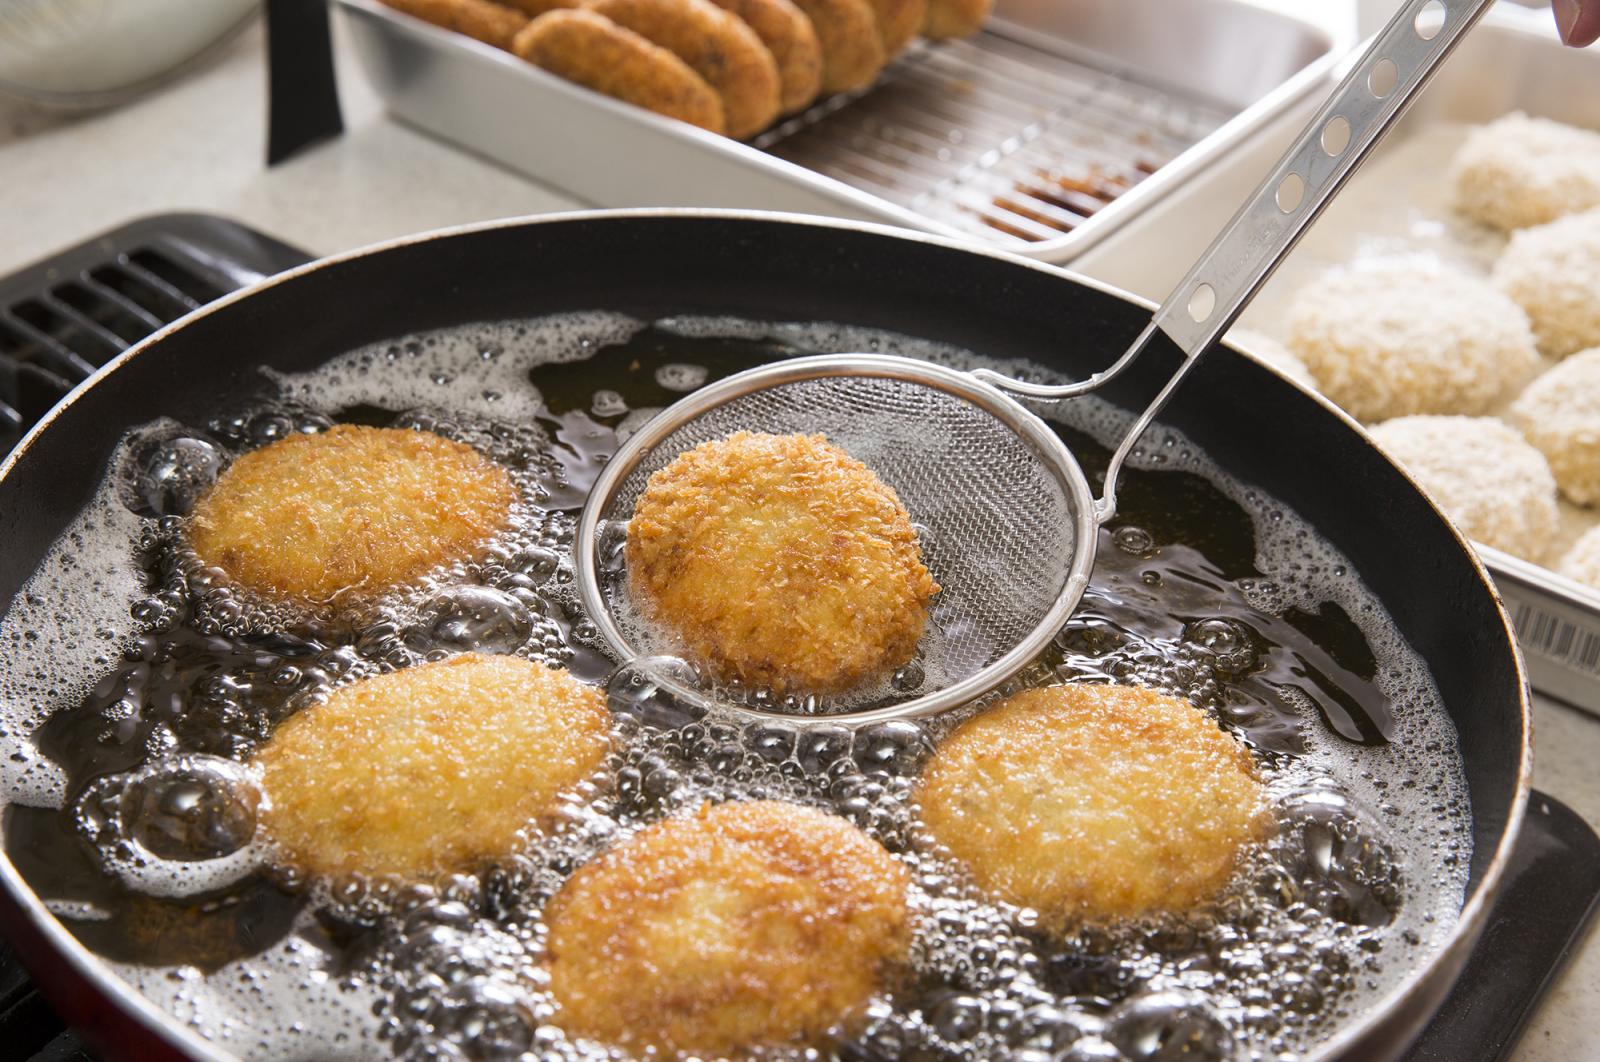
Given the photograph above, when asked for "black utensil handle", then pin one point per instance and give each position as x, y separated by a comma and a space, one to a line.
302, 95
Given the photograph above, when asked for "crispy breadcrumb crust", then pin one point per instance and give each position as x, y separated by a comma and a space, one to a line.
1090, 803
717, 45
852, 50
741, 925
780, 561
350, 511
789, 36
591, 50
433, 768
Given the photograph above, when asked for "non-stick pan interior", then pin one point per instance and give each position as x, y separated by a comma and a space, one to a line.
1252, 423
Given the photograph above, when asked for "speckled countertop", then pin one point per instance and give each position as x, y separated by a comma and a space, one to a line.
198, 145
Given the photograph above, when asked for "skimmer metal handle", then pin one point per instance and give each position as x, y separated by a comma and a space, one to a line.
1266, 228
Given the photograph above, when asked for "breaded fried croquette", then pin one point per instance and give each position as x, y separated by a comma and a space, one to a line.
743, 925
349, 511
789, 36
781, 561
1090, 803
717, 45
592, 51
947, 19
434, 768
482, 20
535, 8
852, 51
898, 22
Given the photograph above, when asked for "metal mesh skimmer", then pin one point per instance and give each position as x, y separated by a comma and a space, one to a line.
1005, 516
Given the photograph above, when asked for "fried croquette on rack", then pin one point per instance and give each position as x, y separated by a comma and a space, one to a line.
592, 51
789, 36
482, 20
1090, 803
947, 19
780, 561
898, 21
351, 511
430, 769
717, 45
852, 50
743, 925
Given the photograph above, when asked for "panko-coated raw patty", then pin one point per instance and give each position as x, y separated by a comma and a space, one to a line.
352, 510
1582, 561
1403, 336
1269, 351
592, 51
1518, 171
433, 768
1559, 413
1494, 486
779, 560
1553, 273
742, 925
1090, 803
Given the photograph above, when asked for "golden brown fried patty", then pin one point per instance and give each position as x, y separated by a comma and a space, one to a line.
788, 35
779, 560
351, 510
745, 924
598, 54
1090, 803
481, 20
852, 50
535, 8
717, 46
955, 18
898, 22
433, 768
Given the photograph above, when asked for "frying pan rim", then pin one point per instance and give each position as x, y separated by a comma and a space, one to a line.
164, 1025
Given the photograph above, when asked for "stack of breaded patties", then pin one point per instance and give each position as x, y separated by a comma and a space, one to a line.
730, 66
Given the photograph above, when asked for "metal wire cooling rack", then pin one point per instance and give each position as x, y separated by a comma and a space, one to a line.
997, 136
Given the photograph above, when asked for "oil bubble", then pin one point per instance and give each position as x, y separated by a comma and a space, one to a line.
1133, 540
471, 618
642, 690
199, 807
677, 376
169, 473
1169, 1027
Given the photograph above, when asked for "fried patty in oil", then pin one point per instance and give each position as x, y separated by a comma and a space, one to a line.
780, 561
742, 925
1091, 803
430, 769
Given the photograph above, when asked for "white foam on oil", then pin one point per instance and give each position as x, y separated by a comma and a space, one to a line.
69, 625
64, 630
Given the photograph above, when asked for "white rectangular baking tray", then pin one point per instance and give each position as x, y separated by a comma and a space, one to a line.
1044, 133
1512, 61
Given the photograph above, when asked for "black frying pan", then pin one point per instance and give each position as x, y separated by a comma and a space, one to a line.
1252, 423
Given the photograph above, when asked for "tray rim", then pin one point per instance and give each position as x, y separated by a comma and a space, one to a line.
855, 203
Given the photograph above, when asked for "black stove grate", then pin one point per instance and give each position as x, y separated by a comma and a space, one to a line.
63, 318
